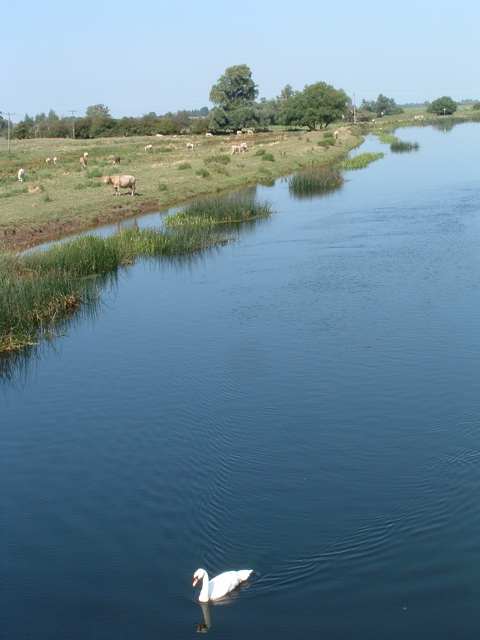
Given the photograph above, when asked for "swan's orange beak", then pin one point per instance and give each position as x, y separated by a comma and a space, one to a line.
195, 580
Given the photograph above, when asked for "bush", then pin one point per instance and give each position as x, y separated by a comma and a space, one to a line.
221, 158
268, 157
162, 186
202, 173
260, 152
184, 165
476, 106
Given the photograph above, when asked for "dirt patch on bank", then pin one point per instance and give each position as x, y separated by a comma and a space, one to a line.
24, 237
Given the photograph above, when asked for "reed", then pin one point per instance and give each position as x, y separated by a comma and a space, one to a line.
42, 290
359, 162
315, 181
402, 147
220, 209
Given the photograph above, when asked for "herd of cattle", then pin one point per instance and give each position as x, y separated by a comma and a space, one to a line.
126, 181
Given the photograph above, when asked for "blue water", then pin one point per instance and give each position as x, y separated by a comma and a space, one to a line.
303, 402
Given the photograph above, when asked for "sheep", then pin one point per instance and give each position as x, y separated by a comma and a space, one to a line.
83, 162
121, 182
209, 135
250, 132
55, 160
190, 146
236, 148
159, 135
116, 159
243, 147
419, 117
149, 147
239, 133
335, 134
48, 160
85, 154
21, 174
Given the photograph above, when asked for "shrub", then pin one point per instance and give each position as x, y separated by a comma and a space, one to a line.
202, 172
162, 186
184, 165
221, 158
326, 142
268, 157
220, 169
260, 152
476, 106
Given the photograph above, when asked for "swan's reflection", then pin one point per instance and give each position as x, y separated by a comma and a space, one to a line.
203, 628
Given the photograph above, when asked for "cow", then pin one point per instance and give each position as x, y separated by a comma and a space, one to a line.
121, 182
116, 159
335, 134
83, 162
238, 148
48, 160
190, 146
250, 132
55, 160
149, 147
209, 135
21, 174
239, 133
419, 117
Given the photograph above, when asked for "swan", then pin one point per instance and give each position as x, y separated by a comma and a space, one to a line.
220, 585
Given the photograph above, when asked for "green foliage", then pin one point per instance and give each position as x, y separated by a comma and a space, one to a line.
382, 106
268, 157
97, 110
386, 138
233, 208
326, 142
235, 88
184, 165
162, 186
260, 152
442, 106
202, 172
476, 106
318, 104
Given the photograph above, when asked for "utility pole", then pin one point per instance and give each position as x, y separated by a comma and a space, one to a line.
73, 118
8, 130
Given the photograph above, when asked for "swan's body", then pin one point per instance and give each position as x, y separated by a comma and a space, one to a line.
220, 585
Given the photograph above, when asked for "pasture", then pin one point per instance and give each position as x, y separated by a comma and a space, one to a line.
57, 199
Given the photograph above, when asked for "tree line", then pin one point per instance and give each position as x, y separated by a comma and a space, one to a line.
236, 107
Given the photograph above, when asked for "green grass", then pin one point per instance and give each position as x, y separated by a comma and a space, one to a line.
359, 162
401, 147
312, 182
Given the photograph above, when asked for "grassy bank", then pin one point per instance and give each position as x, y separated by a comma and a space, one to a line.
61, 198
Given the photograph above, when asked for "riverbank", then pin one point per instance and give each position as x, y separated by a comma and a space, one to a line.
61, 199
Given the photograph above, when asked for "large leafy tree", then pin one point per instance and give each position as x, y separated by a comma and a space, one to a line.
442, 106
318, 105
234, 94
97, 110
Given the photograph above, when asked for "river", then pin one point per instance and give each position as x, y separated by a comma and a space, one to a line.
303, 402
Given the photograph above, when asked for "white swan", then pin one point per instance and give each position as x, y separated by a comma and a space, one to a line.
220, 585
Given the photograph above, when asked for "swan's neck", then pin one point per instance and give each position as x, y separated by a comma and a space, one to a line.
203, 597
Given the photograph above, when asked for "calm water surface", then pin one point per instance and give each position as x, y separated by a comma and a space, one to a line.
303, 402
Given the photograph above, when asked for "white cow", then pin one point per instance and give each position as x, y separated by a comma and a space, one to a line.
335, 134
21, 174
55, 160
419, 117
48, 160
190, 146
83, 162
209, 135
121, 182
149, 147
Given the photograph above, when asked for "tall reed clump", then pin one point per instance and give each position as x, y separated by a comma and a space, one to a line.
401, 147
42, 290
359, 162
315, 181
218, 209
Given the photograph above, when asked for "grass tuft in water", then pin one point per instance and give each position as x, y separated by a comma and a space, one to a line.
315, 181
359, 162
403, 147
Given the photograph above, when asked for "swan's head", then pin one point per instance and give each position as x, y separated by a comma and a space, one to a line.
198, 575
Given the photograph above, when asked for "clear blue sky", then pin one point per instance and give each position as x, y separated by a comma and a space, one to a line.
140, 56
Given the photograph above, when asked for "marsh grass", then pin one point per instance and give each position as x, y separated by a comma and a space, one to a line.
315, 181
359, 162
42, 290
235, 207
404, 147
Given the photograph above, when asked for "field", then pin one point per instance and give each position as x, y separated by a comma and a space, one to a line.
57, 199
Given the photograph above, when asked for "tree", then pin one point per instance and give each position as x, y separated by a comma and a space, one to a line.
318, 104
97, 110
382, 106
442, 106
235, 88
